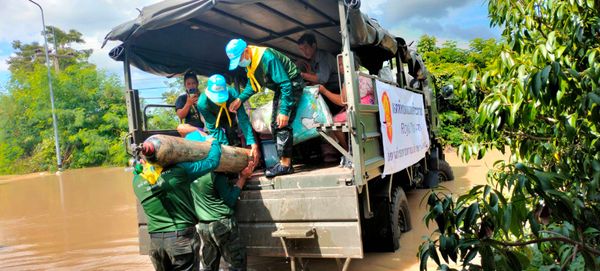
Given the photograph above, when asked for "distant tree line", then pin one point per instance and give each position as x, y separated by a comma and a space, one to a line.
90, 108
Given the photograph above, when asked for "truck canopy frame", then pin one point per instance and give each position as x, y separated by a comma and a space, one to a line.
172, 37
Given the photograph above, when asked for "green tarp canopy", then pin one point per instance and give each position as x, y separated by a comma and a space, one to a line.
175, 36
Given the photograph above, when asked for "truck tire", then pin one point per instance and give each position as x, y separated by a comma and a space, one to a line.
392, 217
432, 179
399, 216
445, 171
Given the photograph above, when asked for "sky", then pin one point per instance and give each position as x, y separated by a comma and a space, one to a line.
458, 20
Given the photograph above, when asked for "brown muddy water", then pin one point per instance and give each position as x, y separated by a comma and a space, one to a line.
86, 220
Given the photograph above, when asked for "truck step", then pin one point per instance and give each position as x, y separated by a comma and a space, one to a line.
305, 233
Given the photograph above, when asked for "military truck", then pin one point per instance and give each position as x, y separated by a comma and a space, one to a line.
320, 211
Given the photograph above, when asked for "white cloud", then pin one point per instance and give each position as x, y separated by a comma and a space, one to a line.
21, 20
392, 12
100, 55
458, 20
3, 64
372, 7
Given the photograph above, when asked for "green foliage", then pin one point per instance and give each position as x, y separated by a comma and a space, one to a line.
90, 110
541, 100
426, 44
165, 118
448, 64
450, 130
162, 119
62, 56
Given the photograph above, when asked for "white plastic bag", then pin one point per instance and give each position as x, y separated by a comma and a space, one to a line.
311, 112
386, 74
261, 118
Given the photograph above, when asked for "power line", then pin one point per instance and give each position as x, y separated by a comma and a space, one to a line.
149, 78
152, 98
153, 88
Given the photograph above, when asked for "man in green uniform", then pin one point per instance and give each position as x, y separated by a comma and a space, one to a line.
214, 201
213, 105
169, 207
267, 67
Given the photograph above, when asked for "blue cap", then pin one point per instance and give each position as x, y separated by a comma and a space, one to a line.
216, 90
234, 50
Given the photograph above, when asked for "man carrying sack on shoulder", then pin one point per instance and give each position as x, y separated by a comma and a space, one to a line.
267, 67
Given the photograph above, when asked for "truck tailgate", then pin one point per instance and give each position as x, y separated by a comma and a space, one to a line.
311, 222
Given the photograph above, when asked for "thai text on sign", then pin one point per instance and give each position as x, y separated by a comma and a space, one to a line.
403, 127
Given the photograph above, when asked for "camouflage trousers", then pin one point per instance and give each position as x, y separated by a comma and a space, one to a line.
176, 250
221, 238
284, 137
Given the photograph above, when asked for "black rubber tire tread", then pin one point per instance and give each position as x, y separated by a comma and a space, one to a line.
446, 169
399, 211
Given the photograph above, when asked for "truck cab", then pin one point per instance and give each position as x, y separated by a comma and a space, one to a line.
321, 211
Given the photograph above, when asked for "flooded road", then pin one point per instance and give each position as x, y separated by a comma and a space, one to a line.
82, 219
86, 220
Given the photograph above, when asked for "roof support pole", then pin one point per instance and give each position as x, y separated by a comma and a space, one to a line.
133, 108
127, 72
351, 85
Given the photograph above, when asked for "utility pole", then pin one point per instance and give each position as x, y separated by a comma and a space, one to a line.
56, 64
54, 121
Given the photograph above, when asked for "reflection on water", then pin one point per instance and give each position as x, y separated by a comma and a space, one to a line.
86, 219
466, 176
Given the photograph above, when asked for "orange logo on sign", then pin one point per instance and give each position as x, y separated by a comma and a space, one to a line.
387, 112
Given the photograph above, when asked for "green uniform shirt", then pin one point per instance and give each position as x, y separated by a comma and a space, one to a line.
214, 198
276, 72
169, 204
210, 112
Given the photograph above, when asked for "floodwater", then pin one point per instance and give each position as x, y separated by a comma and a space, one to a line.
86, 220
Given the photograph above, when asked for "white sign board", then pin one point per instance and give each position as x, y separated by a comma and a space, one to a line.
403, 127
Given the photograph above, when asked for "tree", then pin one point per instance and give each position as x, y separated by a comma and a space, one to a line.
542, 102
25, 56
426, 44
89, 106
483, 52
448, 64
63, 55
450, 53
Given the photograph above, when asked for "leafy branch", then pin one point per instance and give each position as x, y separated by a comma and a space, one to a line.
546, 239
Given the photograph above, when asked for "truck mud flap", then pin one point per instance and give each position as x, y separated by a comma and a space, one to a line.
306, 222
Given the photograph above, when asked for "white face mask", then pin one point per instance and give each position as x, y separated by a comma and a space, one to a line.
244, 63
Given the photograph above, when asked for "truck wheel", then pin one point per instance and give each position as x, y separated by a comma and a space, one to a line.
432, 179
399, 216
446, 173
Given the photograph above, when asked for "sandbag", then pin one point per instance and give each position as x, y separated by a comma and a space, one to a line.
167, 150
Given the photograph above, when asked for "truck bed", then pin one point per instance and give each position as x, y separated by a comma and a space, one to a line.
305, 176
